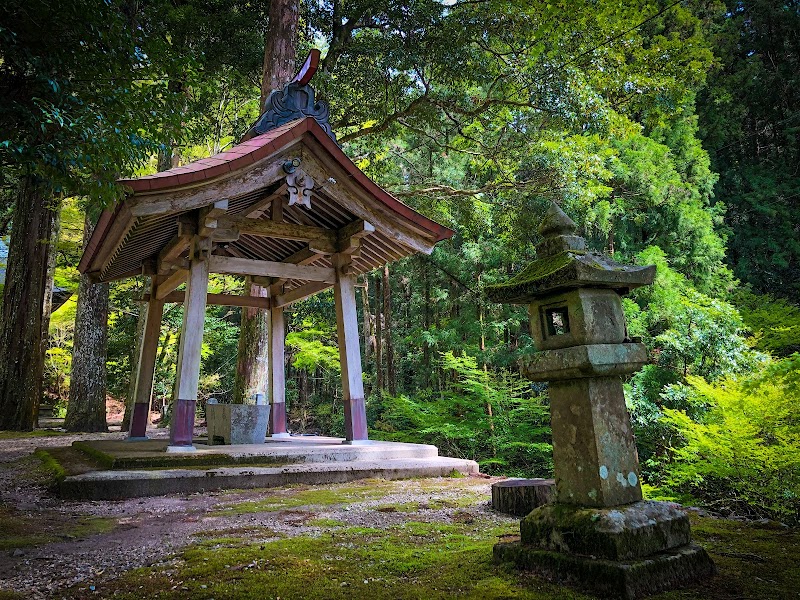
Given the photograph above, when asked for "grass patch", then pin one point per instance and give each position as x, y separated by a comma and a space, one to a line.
298, 497
326, 523
22, 530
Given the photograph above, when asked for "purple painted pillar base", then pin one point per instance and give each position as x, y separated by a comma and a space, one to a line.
181, 431
277, 422
355, 420
139, 418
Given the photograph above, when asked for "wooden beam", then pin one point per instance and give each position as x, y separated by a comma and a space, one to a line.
171, 252
279, 231
207, 221
257, 209
306, 256
218, 299
171, 282
266, 268
298, 293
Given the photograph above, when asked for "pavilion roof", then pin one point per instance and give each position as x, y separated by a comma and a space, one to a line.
250, 179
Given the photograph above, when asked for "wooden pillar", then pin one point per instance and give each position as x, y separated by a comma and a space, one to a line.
277, 373
145, 371
355, 412
188, 374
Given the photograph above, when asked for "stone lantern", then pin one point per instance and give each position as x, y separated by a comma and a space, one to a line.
599, 533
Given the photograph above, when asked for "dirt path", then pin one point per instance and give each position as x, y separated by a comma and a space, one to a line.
86, 542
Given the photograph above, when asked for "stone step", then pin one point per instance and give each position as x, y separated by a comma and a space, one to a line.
120, 454
121, 484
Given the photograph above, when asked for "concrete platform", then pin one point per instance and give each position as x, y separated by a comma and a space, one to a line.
135, 469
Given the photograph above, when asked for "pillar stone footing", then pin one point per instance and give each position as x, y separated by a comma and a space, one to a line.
137, 438
357, 442
281, 436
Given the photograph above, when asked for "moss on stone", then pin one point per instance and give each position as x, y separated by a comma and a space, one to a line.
538, 269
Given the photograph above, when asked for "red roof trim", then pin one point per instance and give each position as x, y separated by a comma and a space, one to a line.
243, 155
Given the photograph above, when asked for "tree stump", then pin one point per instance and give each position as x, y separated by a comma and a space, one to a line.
520, 496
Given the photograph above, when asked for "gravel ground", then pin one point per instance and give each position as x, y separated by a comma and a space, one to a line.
150, 530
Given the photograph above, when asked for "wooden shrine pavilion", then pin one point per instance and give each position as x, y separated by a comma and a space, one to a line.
285, 207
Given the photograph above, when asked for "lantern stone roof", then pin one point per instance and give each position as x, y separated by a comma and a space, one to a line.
563, 263
288, 195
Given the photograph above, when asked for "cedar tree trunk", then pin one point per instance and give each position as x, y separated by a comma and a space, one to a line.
251, 366
21, 318
280, 46
279, 55
86, 410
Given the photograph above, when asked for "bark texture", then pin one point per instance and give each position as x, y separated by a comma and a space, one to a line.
86, 410
280, 46
21, 361
21, 318
253, 358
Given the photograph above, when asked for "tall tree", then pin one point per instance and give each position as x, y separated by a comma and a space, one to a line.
279, 67
750, 118
86, 410
70, 117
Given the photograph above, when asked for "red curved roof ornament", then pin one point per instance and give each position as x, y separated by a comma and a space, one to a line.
308, 69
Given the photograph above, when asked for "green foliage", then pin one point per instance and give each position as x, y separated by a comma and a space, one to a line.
750, 116
773, 322
492, 418
314, 347
743, 455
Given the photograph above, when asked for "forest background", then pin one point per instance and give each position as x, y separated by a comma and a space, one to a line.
669, 131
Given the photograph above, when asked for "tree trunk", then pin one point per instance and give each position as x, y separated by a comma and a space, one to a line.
86, 410
520, 496
251, 367
391, 374
21, 318
279, 54
280, 46
378, 337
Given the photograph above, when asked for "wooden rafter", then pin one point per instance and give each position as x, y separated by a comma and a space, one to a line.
273, 229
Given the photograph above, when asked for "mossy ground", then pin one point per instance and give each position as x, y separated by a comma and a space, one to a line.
19, 529
418, 554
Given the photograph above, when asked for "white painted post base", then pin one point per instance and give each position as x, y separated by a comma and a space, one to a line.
180, 449
280, 436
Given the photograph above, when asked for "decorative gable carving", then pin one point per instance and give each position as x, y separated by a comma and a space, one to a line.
294, 101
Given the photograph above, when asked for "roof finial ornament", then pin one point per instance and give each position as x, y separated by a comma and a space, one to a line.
295, 101
558, 231
556, 222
